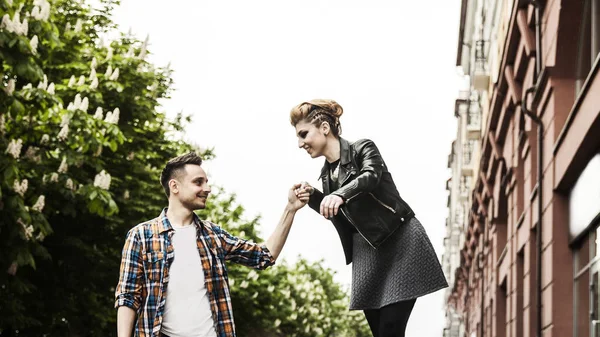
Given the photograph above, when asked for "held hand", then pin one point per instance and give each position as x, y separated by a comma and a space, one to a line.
297, 197
330, 205
304, 186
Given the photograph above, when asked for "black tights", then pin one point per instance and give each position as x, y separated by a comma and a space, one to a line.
391, 320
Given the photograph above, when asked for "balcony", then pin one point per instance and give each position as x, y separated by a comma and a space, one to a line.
474, 122
467, 158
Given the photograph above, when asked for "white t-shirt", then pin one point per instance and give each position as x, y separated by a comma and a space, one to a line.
187, 308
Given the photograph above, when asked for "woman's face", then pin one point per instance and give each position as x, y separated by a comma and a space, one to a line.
312, 138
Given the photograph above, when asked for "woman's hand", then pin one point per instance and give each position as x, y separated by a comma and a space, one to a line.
330, 205
297, 197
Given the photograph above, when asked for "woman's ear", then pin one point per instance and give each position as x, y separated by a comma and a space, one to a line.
325, 128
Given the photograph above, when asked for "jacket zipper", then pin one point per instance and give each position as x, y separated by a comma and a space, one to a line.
358, 230
383, 204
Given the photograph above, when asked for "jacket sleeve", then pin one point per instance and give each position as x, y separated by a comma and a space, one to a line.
315, 199
371, 167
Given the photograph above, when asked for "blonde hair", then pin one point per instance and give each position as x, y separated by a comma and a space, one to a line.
318, 111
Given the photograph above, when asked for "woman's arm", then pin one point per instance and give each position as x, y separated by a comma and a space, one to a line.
371, 168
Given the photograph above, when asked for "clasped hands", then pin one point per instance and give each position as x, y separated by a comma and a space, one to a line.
330, 204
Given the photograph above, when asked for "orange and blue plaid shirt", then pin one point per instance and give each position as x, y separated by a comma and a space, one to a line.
148, 254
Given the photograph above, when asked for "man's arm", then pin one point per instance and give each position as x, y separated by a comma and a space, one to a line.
125, 321
129, 289
262, 256
279, 236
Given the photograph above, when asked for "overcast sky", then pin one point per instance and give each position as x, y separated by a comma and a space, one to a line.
240, 66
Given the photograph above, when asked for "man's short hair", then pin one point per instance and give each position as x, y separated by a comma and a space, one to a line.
175, 167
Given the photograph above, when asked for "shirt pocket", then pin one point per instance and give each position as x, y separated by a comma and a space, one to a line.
153, 265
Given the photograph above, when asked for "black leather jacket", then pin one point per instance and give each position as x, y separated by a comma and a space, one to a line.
372, 204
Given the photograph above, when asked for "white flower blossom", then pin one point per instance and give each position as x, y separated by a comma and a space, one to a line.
78, 26
41, 10
34, 44
108, 71
44, 83
115, 75
68, 27
131, 156
66, 119
71, 106
94, 64
21, 188
31, 154
84, 104
29, 232
244, 284
102, 180
109, 54
45, 139
271, 288
7, 23
14, 148
99, 113
94, 83
81, 80
69, 184
126, 195
112, 117
130, 52
144, 50
63, 166
64, 132
28, 86
10, 87
253, 275
93, 73
54, 177
277, 322
2, 124
39, 204
77, 101
50, 89
71, 81
242, 234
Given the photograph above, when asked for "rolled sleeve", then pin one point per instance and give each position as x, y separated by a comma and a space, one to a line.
245, 252
129, 288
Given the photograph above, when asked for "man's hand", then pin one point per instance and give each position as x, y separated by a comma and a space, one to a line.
330, 205
297, 197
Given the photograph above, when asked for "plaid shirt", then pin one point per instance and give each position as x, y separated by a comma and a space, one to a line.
148, 254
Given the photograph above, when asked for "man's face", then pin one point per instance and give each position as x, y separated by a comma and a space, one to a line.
191, 187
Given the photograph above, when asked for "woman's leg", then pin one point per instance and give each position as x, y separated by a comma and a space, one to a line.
372, 316
391, 320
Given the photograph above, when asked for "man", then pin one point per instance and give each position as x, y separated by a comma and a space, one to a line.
173, 281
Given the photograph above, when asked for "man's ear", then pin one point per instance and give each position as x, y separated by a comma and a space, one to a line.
174, 186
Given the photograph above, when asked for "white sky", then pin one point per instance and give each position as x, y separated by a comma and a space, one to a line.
240, 66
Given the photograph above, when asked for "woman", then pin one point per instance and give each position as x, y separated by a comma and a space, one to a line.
393, 260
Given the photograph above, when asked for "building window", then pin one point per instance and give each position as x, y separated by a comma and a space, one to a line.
589, 40
584, 229
586, 280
